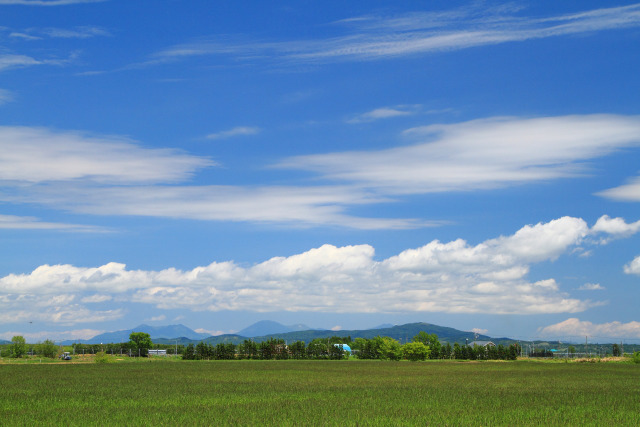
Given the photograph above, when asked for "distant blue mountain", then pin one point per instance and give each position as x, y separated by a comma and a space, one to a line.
168, 332
3, 342
268, 327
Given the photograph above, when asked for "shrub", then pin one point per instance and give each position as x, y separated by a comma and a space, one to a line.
102, 357
636, 357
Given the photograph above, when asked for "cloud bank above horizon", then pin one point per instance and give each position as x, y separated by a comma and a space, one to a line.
453, 277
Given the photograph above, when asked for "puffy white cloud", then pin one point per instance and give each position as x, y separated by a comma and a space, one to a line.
479, 154
35, 155
615, 227
633, 267
453, 277
577, 328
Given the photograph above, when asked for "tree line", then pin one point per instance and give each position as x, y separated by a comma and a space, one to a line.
424, 346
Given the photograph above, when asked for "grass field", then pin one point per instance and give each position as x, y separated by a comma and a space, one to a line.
320, 393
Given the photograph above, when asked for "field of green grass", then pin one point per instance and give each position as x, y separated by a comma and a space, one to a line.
320, 393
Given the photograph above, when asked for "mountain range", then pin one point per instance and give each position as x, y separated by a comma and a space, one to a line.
266, 329
170, 333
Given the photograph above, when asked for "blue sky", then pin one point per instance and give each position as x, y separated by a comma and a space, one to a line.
339, 164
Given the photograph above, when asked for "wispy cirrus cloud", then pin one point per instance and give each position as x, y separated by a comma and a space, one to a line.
47, 2
13, 222
479, 154
5, 96
35, 155
236, 131
384, 113
382, 37
101, 175
629, 192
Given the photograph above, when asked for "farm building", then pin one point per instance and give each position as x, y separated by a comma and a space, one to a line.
157, 352
345, 347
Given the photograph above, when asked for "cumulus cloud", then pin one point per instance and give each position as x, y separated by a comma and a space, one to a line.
480, 331
453, 277
479, 154
236, 131
577, 328
615, 228
633, 267
37, 155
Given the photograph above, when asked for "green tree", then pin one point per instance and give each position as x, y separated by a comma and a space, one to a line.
140, 343
415, 351
189, 352
572, 350
18, 346
616, 350
48, 349
390, 349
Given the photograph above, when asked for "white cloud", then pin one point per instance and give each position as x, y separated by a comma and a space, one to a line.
212, 332
480, 331
159, 318
479, 154
76, 33
453, 277
615, 227
336, 328
236, 131
5, 96
17, 61
577, 328
96, 298
303, 206
591, 287
377, 38
35, 155
35, 337
12, 222
633, 267
629, 192
385, 113
47, 2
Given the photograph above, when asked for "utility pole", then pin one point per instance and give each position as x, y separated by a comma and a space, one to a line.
586, 346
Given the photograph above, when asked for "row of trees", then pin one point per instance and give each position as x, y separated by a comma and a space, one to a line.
424, 346
19, 348
274, 348
138, 345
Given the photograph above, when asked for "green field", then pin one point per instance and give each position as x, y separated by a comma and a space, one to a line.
320, 393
